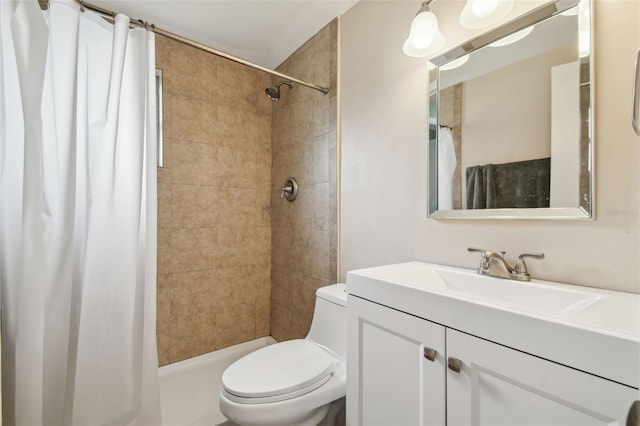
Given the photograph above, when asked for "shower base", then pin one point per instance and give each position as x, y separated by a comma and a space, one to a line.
189, 389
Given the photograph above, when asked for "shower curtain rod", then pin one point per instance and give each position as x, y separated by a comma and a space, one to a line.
175, 37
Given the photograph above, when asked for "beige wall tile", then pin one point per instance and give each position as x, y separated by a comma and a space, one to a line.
193, 322
238, 168
166, 109
333, 223
164, 205
235, 286
236, 324
263, 318
214, 236
164, 347
236, 207
226, 241
237, 129
304, 145
322, 214
263, 207
193, 120
194, 163
164, 174
320, 155
262, 288
280, 322
193, 249
320, 246
163, 319
237, 85
193, 72
333, 175
164, 251
333, 266
194, 206
333, 64
244, 246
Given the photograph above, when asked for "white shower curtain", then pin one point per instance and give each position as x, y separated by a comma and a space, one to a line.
77, 218
447, 163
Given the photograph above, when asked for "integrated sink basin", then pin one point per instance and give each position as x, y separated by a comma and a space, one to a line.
532, 295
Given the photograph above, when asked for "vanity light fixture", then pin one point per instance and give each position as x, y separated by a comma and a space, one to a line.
424, 37
483, 13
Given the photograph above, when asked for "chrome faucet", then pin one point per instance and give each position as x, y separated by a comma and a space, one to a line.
495, 265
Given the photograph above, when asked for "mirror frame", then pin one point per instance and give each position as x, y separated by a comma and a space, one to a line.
585, 208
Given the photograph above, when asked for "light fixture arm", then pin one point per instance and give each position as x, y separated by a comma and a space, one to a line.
425, 7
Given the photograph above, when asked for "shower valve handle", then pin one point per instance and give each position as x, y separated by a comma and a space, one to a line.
286, 190
290, 189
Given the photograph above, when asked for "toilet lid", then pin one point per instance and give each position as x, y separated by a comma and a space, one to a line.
278, 369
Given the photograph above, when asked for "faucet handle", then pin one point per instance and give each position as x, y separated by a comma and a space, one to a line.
477, 250
521, 267
484, 262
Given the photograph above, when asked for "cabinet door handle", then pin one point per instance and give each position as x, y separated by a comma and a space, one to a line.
454, 364
430, 354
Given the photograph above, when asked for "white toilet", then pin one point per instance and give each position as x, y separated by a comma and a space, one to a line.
297, 382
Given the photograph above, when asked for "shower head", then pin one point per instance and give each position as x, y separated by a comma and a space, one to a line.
273, 92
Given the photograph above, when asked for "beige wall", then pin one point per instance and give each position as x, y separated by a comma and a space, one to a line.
384, 147
493, 104
214, 222
304, 146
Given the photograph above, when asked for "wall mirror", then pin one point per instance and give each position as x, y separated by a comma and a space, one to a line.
510, 120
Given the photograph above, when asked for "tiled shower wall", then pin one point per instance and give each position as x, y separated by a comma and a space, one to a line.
304, 146
214, 221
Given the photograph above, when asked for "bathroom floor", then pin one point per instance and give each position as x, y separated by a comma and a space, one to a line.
189, 389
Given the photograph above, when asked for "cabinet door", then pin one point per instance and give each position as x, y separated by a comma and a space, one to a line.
497, 385
390, 380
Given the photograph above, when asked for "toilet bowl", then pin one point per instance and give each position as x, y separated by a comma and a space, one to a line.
297, 382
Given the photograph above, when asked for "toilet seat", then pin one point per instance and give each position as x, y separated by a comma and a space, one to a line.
278, 372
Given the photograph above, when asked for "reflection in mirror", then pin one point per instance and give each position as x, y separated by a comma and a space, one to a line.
510, 120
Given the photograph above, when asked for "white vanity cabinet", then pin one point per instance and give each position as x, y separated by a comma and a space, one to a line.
498, 385
396, 373
390, 382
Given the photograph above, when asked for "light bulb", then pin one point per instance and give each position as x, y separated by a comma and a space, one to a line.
483, 8
424, 35
421, 41
423, 27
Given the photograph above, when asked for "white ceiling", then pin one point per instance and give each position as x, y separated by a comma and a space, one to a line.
262, 31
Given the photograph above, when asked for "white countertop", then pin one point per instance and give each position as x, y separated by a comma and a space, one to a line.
600, 336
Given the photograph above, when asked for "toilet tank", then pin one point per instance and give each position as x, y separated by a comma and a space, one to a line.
329, 325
